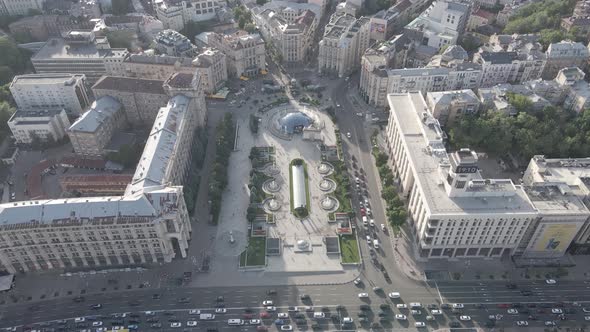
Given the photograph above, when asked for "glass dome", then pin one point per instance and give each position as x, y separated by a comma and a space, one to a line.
294, 122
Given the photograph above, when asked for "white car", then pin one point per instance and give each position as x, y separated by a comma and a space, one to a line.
348, 135
359, 114
550, 323
522, 323
550, 281
363, 295
347, 320
556, 311
191, 323
458, 306
357, 281
283, 315
436, 312
383, 227
194, 312
220, 310
267, 303
369, 240
401, 306
286, 328
254, 321
420, 324
372, 222
416, 312
401, 317
394, 295
465, 318
513, 311
175, 324
79, 319
150, 313
271, 308
96, 324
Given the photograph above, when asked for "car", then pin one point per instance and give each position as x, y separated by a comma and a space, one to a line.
261, 328
132, 327
454, 324
436, 312
458, 306
194, 312
556, 311
264, 314
550, 281
401, 317
465, 318
78, 299
254, 322
550, 323
401, 306
416, 312
248, 316
385, 306
347, 320
369, 239
526, 292
359, 114
511, 286
512, 311
365, 307
271, 292
394, 295
183, 300
283, 315
293, 309
382, 314
349, 135
191, 323
358, 281
267, 303
372, 222
522, 323
156, 325
586, 318
286, 328
363, 295
490, 323
383, 228
79, 320
308, 308
97, 323
271, 308
420, 324
96, 306
377, 289
220, 310
304, 297
176, 324
150, 313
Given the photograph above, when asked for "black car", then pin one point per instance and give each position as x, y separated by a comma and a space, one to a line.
516, 305
156, 325
300, 321
184, 300
299, 315
220, 299
134, 315
271, 292
78, 299
365, 307
454, 324
532, 317
490, 323
96, 306
153, 320
385, 306
511, 286
526, 292
432, 306
304, 297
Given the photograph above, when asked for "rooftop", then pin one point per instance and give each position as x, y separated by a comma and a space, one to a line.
159, 60
447, 97
48, 78
127, 84
58, 48
423, 139
99, 112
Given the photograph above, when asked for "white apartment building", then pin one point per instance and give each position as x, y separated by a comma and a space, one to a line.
92, 131
508, 67
577, 90
173, 43
442, 24
564, 54
175, 14
153, 67
345, 40
385, 22
245, 53
384, 81
46, 125
449, 106
212, 66
50, 91
289, 26
79, 52
142, 226
453, 210
20, 7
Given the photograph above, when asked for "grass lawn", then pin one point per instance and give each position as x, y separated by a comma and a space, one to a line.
255, 254
349, 249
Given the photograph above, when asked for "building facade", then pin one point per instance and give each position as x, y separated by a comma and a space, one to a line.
345, 40
564, 54
20, 7
49, 91
449, 106
173, 43
92, 131
508, 67
212, 65
245, 53
152, 67
38, 126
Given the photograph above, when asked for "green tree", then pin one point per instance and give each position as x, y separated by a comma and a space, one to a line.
520, 102
11, 56
242, 22
6, 111
250, 27
388, 193
120, 38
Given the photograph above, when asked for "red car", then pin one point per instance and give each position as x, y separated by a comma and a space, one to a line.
248, 316
363, 212
503, 305
265, 314
261, 328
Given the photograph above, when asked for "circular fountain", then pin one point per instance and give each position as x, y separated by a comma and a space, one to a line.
271, 205
329, 203
325, 168
327, 185
271, 186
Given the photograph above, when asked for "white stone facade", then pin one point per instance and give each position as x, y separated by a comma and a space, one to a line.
46, 125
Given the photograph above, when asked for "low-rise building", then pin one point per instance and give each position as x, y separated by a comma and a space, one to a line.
141, 98
387, 22
38, 126
176, 14
523, 65
497, 98
577, 90
449, 106
80, 52
51, 91
453, 210
479, 18
212, 66
92, 131
245, 53
173, 43
153, 67
345, 40
564, 54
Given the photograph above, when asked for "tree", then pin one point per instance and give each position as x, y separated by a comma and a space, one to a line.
6, 111
191, 29
520, 102
120, 38
539, 15
250, 27
6, 75
121, 7
242, 22
11, 56
388, 193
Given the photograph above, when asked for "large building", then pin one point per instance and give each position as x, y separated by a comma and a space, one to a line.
176, 14
20, 7
141, 98
442, 24
153, 67
38, 126
564, 54
508, 67
245, 53
92, 131
79, 52
345, 40
212, 66
382, 81
173, 43
449, 106
387, 22
51, 91
453, 210
149, 223
577, 90
42, 27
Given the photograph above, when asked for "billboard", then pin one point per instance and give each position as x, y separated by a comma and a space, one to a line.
377, 27
554, 237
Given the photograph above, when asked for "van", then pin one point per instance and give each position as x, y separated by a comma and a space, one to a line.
415, 305
206, 316
376, 244
365, 221
235, 321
